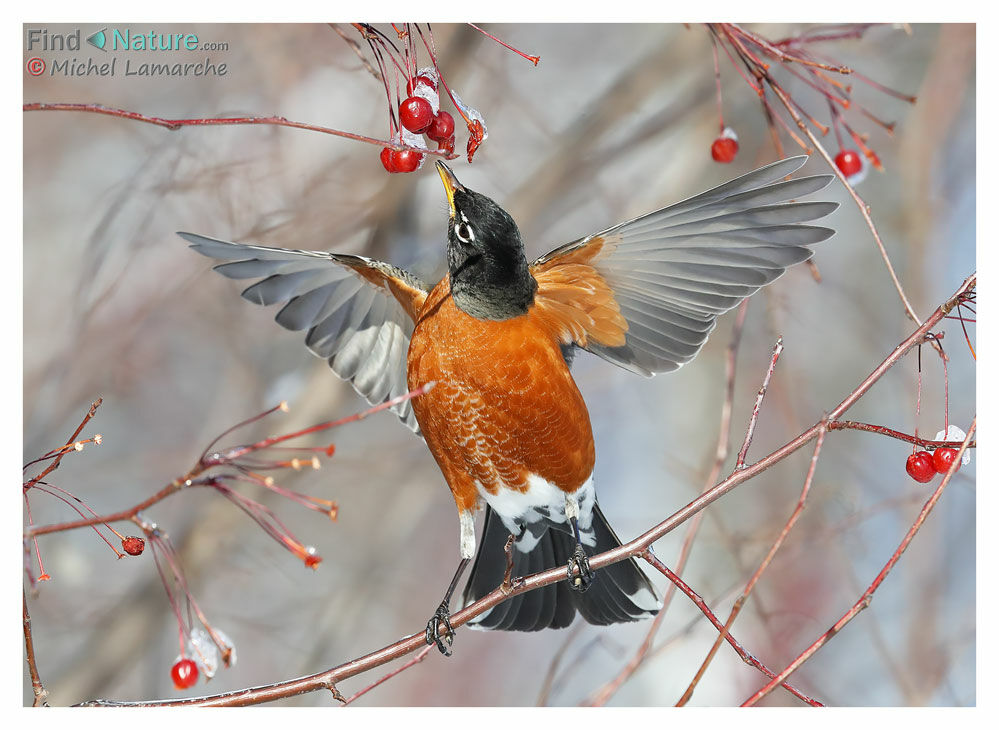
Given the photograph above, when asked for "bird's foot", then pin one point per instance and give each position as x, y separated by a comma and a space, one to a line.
580, 563
439, 630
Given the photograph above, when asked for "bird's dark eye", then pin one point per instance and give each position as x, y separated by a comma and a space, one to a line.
464, 233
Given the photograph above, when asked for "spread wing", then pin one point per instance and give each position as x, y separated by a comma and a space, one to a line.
645, 294
359, 313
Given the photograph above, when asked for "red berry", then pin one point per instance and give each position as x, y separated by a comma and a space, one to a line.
133, 545
407, 160
442, 127
446, 144
943, 458
849, 163
920, 466
387, 159
395, 161
419, 81
184, 674
416, 114
724, 148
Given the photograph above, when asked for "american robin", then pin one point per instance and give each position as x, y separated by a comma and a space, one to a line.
505, 421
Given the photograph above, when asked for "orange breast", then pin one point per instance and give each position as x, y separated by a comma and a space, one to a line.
505, 405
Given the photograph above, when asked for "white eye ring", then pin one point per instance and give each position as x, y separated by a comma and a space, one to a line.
464, 233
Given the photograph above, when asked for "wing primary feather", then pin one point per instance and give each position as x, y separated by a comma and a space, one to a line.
672, 272
359, 313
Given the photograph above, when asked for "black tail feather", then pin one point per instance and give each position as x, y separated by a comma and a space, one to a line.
620, 592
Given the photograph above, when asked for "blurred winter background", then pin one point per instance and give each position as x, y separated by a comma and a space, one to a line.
616, 120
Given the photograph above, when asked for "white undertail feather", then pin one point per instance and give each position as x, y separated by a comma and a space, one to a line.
541, 499
467, 534
571, 508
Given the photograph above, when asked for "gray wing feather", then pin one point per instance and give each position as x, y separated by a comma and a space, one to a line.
359, 329
675, 270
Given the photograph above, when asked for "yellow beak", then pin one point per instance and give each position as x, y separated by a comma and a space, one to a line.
451, 183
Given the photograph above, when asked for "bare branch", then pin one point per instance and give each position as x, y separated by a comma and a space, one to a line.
741, 459
41, 694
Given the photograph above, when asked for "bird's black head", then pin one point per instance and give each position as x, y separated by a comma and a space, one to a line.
490, 277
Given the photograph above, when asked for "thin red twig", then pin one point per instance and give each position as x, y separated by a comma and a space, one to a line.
738, 37
532, 59
741, 459
715, 31
420, 656
871, 428
778, 53
718, 90
239, 451
54, 491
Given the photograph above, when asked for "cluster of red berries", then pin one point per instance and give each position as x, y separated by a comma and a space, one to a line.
416, 114
923, 466
184, 673
851, 165
725, 147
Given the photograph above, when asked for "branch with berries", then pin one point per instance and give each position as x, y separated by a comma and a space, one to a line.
203, 647
758, 60
419, 113
415, 643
